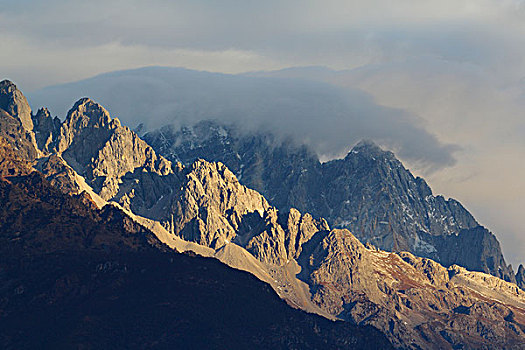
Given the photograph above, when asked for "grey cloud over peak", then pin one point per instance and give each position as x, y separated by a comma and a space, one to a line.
328, 118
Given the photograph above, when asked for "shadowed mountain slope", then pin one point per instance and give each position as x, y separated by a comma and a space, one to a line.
73, 276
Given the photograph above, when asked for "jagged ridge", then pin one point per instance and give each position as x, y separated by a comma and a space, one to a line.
369, 192
73, 276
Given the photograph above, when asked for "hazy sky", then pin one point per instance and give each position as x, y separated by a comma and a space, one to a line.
454, 67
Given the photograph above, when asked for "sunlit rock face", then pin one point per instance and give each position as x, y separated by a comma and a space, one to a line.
14, 102
203, 202
16, 125
369, 192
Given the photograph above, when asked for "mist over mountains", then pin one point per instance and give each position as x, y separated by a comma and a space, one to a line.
369, 192
330, 119
203, 208
262, 174
323, 109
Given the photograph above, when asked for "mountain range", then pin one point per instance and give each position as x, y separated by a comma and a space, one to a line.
74, 276
369, 192
202, 207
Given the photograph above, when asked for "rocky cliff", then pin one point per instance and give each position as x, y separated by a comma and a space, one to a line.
14, 102
46, 130
369, 192
202, 203
11, 130
520, 277
416, 301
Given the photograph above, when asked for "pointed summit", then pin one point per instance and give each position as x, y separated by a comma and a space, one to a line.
16, 126
367, 145
520, 277
14, 102
86, 112
46, 129
369, 148
102, 150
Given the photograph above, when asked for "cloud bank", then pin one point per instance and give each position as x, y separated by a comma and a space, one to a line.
326, 117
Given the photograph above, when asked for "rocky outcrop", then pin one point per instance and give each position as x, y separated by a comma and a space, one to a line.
417, 302
299, 229
102, 150
287, 175
202, 203
46, 130
211, 204
476, 248
14, 102
279, 236
13, 132
369, 192
206, 204
520, 277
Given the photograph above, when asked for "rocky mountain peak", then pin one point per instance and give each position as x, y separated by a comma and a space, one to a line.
86, 112
102, 150
520, 277
58, 252
369, 192
367, 145
416, 302
43, 113
46, 129
14, 102
16, 124
369, 150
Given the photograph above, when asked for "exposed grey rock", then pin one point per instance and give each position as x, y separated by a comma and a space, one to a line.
202, 203
16, 125
299, 230
369, 192
102, 150
475, 248
14, 133
46, 130
417, 302
277, 237
73, 276
520, 277
286, 174
14, 102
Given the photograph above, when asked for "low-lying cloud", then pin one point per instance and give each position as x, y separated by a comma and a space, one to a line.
328, 118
